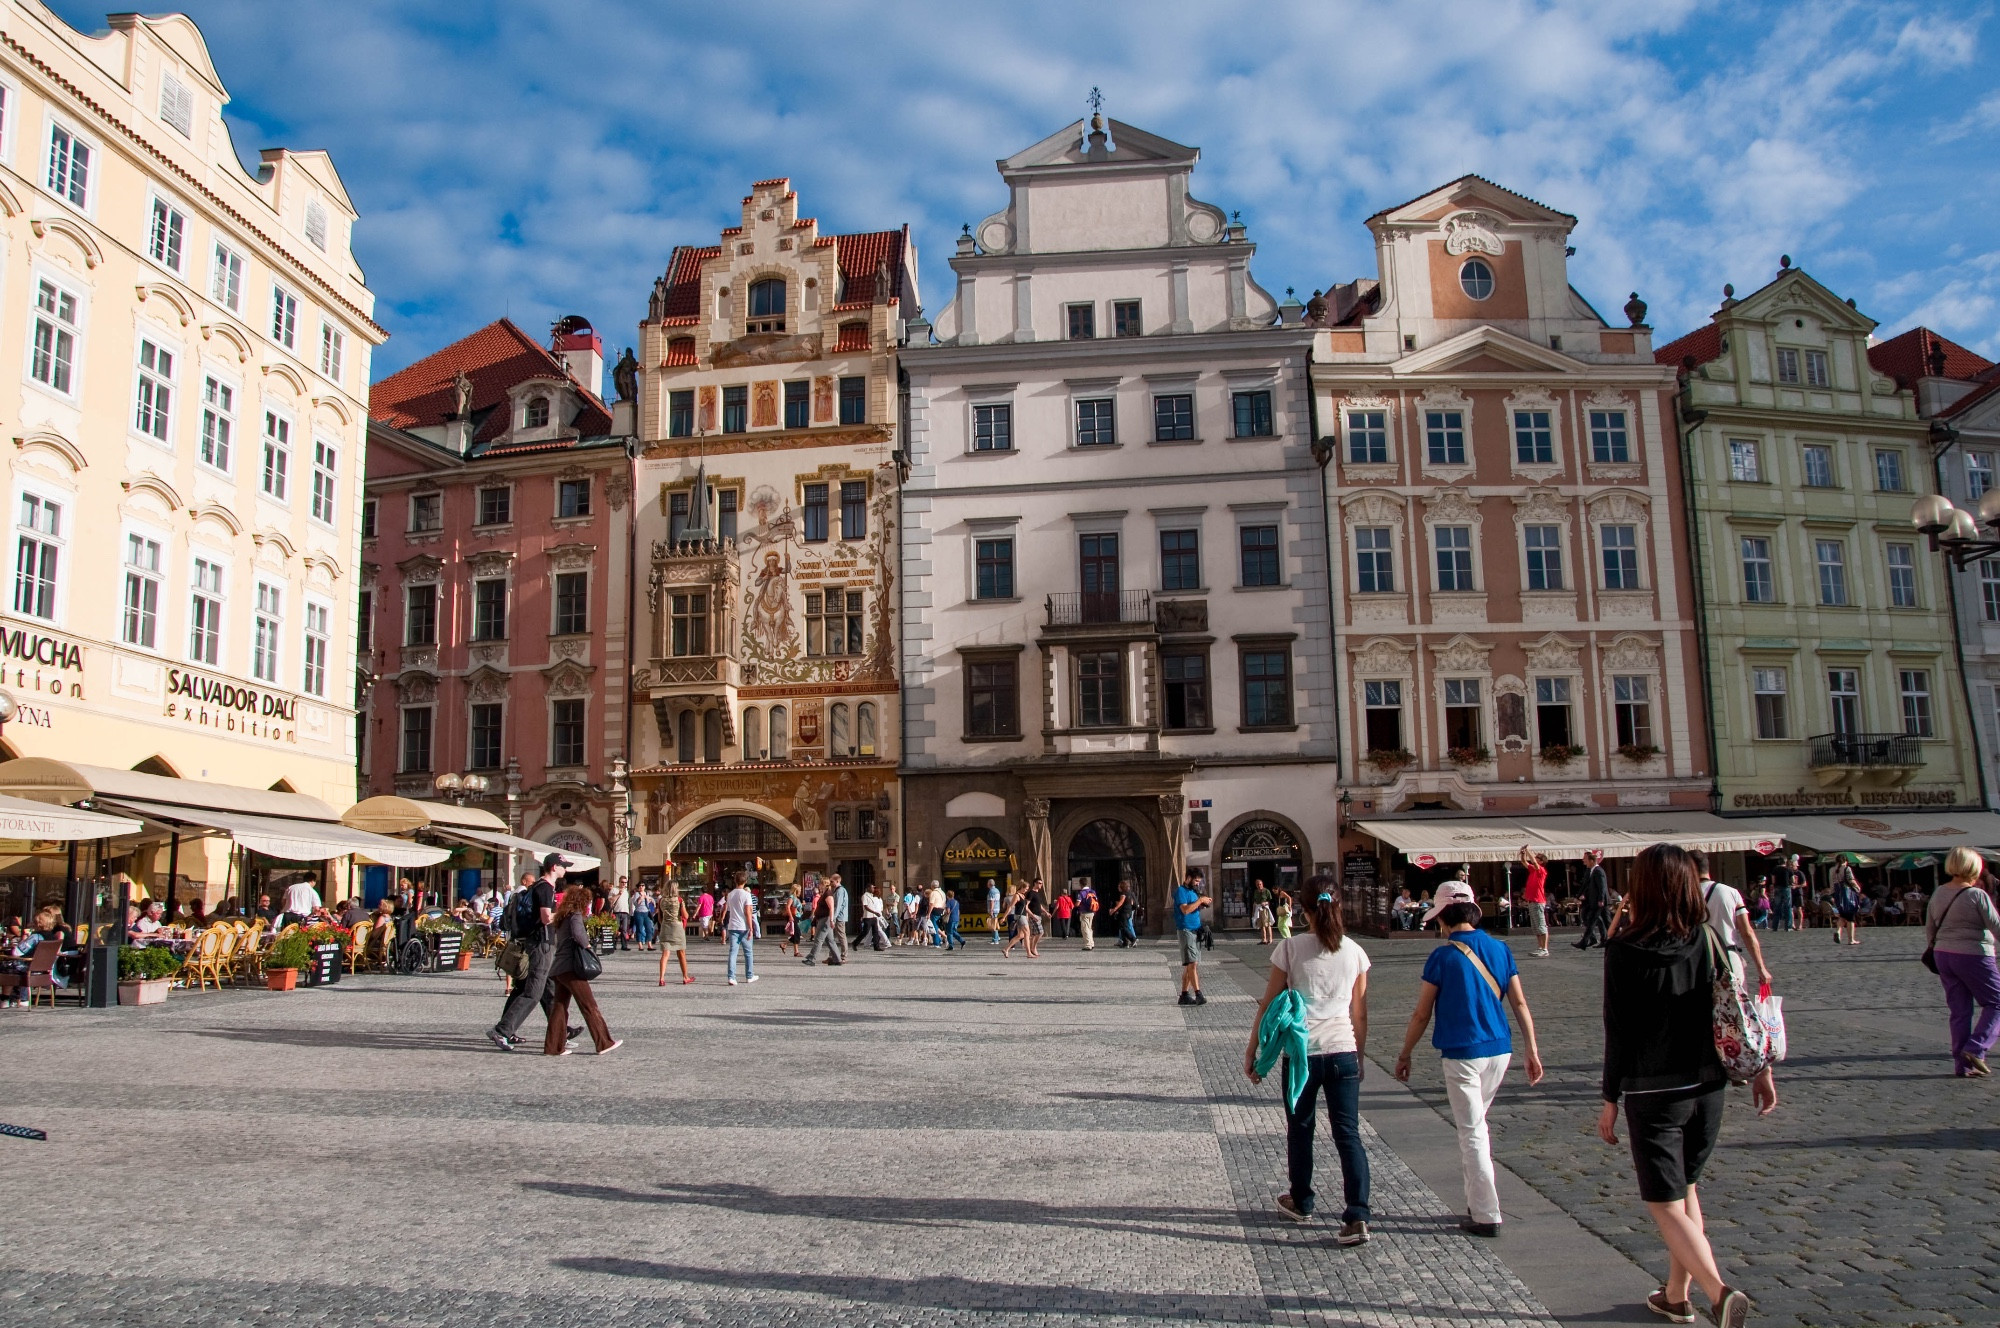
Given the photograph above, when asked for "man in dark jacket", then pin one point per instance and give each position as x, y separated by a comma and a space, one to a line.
535, 911
1596, 900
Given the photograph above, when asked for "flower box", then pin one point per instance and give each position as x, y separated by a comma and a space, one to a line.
464, 960
281, 979
144, 991
1468, 755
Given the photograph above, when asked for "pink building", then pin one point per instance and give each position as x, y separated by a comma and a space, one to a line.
495, 585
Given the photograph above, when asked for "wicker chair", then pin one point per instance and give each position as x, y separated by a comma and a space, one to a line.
357, 944
230, 941
250, 955
202, 965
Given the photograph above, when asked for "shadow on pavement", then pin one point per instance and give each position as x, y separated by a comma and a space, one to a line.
371, 1041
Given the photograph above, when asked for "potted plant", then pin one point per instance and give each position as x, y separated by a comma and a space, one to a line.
284, 960
1468, 755
1388, 760
145, 972
327, 945
603, 929
451, 938
1638, 752
1560, 754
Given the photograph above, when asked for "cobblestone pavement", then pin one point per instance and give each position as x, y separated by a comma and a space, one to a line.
1869, 1197
921, 1140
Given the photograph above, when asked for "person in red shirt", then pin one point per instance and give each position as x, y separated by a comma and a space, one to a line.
1065, 908
1535, 894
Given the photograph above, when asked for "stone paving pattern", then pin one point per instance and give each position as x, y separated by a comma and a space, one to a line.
1869, 1197
919, 1140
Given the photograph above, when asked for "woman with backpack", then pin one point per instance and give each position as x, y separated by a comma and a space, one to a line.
1958, 932
1660, 1062
1846, 904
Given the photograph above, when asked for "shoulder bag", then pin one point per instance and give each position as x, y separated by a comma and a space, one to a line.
1929, 957
1742, 1042
1478, 966
586, 964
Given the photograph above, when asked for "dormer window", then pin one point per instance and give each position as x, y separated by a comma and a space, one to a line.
537, 416
1476, 278
767, 306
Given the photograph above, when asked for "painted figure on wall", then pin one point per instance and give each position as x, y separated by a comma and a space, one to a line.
764, 405
770, 618
708, 410
822, 401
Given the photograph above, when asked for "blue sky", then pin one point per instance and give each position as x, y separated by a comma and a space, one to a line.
542, 157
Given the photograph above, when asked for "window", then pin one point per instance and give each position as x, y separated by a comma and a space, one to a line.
315, 226
753, 733
142, 592
1180, 560
689, 630
1096, 422
993, 568
1267, 688
1545, 559
1632, 711
1902, 576
1100, 687
566, 732
767, 306
1185, 675
225, 278
313, 675
1609, 441
1978, 474
1367, 437
1916, 688
854, 401
1173, 418
839, 731
680, 414
1889, 471
1382, 710
1462, 728
368, 510
1097, 573
993, 428
1843, 695
69, 166
1831, 557
1444, 437
218, 423
1758, 587
332, 351
1476, 278
420, 616
1989, 588
153, 412
1259, 548
264, 629
489, 609
781, 734
1552, 713
864, 745
1743, 467
484, 753
1534, 439
814, 514
176, 105
735, 409
364, 623
1818, 465
54, 355
725, 513
685, 743
1454, 557
572, 498
1082, 322
417, 740
834, 621
1788, 365
168, 233
326, 476
1125, 318
572, 596
284, 317
798, 404
205, 611
1816, 369
496, 506
278, 458
37, 557
1620, 547
426, 512
536, 416
1252, 412
992, 698
1767, 690
1374, 560
853, 509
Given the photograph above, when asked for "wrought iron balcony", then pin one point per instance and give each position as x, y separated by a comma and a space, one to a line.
1876, 750
1089, 608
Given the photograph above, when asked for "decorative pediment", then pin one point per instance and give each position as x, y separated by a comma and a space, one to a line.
1370, 397
1384, 655
1461, 654
574, 557
1534, 398
1513, 354
178, 304
573, 472
322, 568
57, 224
1541, 507
280, 372
486, 683
1620, 507
421, 570
335, 407
1373, 507
218, 515
1631, 653
1472, 195
416, 688
48, 440
1792, 292
147, 482
567, 678
1473, 232
1451, 507
1553, 654
1606, 399
269, 540
1445, 397
230, 335
490, 562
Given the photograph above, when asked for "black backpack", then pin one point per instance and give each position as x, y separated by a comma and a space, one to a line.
523, 925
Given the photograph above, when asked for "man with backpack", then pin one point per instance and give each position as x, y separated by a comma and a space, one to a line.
530, 922
1086, 916
1846, 904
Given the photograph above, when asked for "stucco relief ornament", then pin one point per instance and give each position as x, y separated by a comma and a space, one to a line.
1383, 656
1461, 654
1472, 232
770, 617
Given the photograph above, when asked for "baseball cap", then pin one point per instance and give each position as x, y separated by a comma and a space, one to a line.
1451, 892
555, 860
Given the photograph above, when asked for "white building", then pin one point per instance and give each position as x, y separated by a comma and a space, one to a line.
1115, 649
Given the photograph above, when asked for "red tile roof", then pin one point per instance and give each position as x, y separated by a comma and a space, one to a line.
1973, 398
497, 357
680, 350
853, 336
773, 182
1907, 358
1702, 345
858, 256
684, 279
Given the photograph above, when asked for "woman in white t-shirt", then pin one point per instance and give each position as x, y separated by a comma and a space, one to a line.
1330, 969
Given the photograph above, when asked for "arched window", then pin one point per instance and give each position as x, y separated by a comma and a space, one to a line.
781, 734
685, 728
538, 413
711, 736
840, 732
753, 734
864, 728
767, 306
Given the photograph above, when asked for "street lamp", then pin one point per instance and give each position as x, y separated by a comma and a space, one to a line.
460, 789
8, 707
1954, 531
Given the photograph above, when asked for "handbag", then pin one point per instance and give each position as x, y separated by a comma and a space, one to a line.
587, 965
1929, 957
1742, 1042
512, 960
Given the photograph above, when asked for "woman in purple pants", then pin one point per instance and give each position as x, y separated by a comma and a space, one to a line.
1960, 927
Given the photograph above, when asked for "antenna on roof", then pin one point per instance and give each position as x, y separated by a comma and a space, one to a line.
1096, 100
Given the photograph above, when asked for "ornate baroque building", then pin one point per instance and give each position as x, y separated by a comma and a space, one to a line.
768, 723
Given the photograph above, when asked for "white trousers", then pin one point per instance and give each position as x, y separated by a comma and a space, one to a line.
1470, 1086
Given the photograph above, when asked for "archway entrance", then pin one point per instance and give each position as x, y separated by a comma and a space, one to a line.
1259, 854
1103, 853
722, 844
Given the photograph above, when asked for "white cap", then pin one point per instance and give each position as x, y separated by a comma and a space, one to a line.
1451, 892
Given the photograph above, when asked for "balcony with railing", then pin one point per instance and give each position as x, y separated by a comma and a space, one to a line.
1110, 608
1864, 759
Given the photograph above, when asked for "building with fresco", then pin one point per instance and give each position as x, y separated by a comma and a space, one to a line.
767, 724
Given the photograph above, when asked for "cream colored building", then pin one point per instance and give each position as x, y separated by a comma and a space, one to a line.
189, 348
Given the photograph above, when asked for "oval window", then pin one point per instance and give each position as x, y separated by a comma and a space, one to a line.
1476, 278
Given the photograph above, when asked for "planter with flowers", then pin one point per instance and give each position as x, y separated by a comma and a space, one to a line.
1387, 761
284, 960
1638, 753
328, 945
1561, 755
1468, 756
145, 973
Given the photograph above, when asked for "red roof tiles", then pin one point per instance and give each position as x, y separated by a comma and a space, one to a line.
1907, 358
1701, 345
496, 358
858, 255
853, 336
773, 182
680, 350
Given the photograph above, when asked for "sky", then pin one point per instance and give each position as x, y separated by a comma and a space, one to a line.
536, 158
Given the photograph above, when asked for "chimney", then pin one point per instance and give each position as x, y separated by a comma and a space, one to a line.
581, 350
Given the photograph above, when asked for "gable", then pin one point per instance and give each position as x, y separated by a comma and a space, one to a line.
1129, 145
1486, 350
1472, 191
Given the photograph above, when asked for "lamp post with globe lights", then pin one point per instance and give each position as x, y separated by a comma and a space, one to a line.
1957, 533
461, 789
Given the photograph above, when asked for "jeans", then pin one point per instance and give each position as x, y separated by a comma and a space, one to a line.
624, 930
1128, 931
529, 991
1781, 918
952, 940
740, 940
1469, 1085
1339, 1076
643, 929
1969, 980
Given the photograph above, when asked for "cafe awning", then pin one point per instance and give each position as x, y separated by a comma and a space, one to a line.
291, 839
501, 839
391, 815
1618, 834
21, 818
1888, 832
42, 779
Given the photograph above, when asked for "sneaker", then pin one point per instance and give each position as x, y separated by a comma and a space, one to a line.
1486, 1230
732, 982
1187, 998
567, 1051
1673, 1311
1542, 953
1732, 1311
751, 978
616, 1043
1352, 1233
1290, 1208
1200, 999
499, 1039
573, 1032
